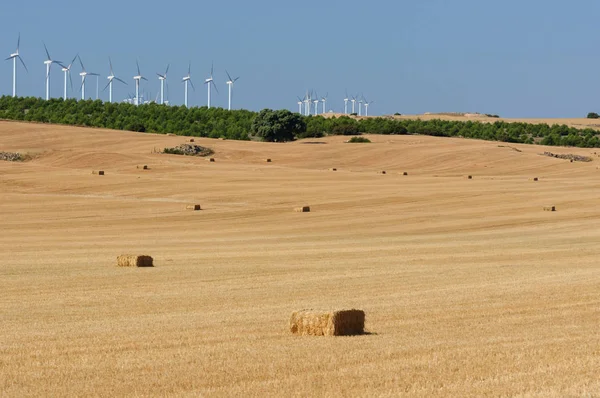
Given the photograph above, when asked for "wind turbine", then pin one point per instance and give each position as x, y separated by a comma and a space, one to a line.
316, 102
230, 84
367, 107
162, 79
67, 71
307, 104
346, 99
83, 75
137, 79
324, 100
188, 79
353, 100
300, 101
110, 78
360, 102
14, 57
48, 62
210, 82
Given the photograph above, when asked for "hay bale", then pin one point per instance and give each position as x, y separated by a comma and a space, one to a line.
405, 173
303, 209
535, 178
333, 169
327, 323
211, 160
193, 207
191, 140
101, 173
470, 177
268, 160
382, 172
549, 208
145, 167
129, 260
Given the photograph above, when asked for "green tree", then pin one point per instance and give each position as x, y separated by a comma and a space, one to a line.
278, 126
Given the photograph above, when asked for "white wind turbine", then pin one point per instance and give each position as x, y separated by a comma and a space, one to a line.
67, 71
367, 107
230, 84
346, 99
353, 100
137, 79
163, 79
360, 102
111, 78
316, 102
48, 62
210, 82
300, 101
307, 103
188, 79
324, 100
83, 75
14, 57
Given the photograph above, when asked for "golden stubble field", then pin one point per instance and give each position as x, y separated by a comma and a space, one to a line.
470, 289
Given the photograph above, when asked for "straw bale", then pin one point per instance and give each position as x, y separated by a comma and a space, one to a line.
145, 167
191, 140
382, 172
101, 173
405, 173
303, 209
470, 177
327, 323
130, 260
211, 159
535, 178
549, 208
333, 169
268, 160
193, 207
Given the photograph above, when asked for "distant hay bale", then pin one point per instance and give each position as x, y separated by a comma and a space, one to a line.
145, 167
101, 173
333, 169
549, 208
193, 207
382, 172
268, 160
303, 209
191, 140
129, 260
470, 177
405, 173
535, 178
328, 323
211, 160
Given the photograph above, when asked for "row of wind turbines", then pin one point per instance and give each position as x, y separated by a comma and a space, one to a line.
162, 77
312, 98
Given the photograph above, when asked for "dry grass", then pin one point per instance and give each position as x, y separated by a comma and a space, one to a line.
469, 287
130, 260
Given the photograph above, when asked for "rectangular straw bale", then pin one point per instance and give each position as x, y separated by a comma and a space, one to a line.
327, 323
268, 160
211, 159
101, 173
193, 207
130, 260
549, 208
303, 209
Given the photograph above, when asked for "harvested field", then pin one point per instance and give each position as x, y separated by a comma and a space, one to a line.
469, 287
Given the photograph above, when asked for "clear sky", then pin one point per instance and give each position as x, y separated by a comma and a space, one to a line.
516, 58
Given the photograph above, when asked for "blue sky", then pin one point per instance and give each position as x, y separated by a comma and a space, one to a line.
515, 58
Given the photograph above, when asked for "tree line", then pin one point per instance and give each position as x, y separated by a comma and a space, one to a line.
274, 125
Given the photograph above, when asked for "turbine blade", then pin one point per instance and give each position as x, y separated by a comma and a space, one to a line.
167, 71
47, 53
125, 83
192, 84
138, 67
236, 79
143, 78
19, 42
105, 87
70, 79
111, 67
215, 86
81, 63
189, 68
24, 66
228, 76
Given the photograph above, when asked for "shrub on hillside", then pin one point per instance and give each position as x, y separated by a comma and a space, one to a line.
358, 140
593, 115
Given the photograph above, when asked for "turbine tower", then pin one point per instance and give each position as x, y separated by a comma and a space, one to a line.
230, 84
111, 78
210, 82
188, 79
14, 57
48, 62
316, 102
360, 102
307, 104
67, 72
300, 101
353, 100
367, 107
163, 79
137, 79
83, 75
